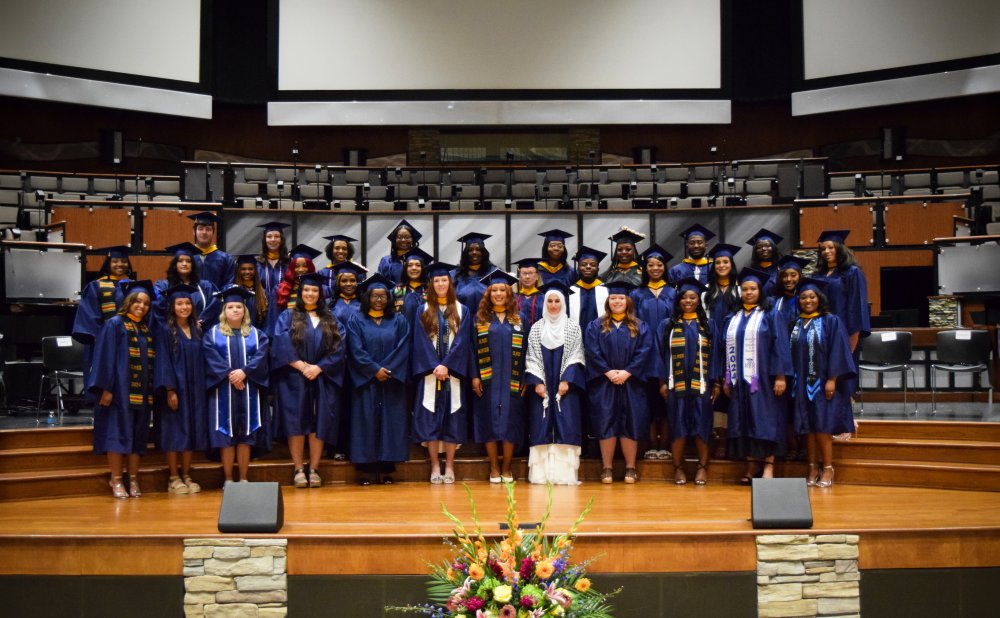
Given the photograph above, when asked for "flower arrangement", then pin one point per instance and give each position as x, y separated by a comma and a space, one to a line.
520, 575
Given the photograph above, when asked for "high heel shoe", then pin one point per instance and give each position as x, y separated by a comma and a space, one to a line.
118, 488
812, 476
703, 473
679, 477
828, 483
133, 488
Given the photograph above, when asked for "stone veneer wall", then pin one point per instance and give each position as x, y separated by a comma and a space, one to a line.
944, 311
808, 575
242, 578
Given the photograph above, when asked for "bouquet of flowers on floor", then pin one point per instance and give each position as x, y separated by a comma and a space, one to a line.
520, 575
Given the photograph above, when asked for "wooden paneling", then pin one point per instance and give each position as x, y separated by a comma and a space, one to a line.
815, 219
919, 223
872, 261
162, 228
98, 227
152, 267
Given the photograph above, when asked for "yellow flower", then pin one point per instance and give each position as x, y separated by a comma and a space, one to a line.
476, 572
450, 574
544, 569
582, 584
502, 594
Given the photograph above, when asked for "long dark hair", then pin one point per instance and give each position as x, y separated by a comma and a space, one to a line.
366, 303
172, 324
327, 323
282, 248
106, 267
174, 278
732, 294
484, 267
394, 253
545, 252
645, 271
404, 278
845, 259
824, 303
676, 318
764, 301
776, 255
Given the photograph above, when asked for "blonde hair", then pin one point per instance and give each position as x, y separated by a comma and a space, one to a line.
227, 330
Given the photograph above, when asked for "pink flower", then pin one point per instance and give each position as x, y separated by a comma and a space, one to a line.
508, 611
527, 602
527, 568
474, 604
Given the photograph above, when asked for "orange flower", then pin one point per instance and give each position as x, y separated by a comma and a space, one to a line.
476, 572
544, 569
582, 584
482, 554
451, 574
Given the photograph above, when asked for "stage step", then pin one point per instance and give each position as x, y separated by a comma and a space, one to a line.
929, 430
43, 436
928, 450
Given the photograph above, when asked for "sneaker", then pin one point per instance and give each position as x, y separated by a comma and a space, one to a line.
193, 487
436, 478
664, 454
300, 480
176, 486
651, 454
314, 479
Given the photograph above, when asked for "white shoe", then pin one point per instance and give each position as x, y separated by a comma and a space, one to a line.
663, 454
651, 454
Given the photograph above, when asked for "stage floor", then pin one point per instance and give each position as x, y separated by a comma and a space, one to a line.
652, 526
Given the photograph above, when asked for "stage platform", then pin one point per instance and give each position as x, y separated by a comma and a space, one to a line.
650, 527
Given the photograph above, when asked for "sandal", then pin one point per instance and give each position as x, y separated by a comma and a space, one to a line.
314, 479
448, 478
828, 483
651, 454
764, 469
701, 476
507, 478
606, 476
631, 476
193, 487
436, 478
176, 486
299, 479
133, 488
118, 488
680, 478
812, 477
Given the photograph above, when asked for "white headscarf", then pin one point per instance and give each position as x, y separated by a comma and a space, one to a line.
554, 328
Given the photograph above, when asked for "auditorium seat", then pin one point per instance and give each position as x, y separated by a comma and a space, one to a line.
494, 191
760, 200
135, 197
759, 187
619, 174
705, 172
646, 174
918, 180
165, 198
643, 190
256, 174
556, 176
314, 176
425, 177
842, 183
877, 182
494, 176
669, 189
284, 173
673, 174
45, 183
166, 187
764, 170
462, 177
245, 189
106, 185
75, 184
526, 176
698, 189
951, 179
313, 196
131, 185
588, 175
523, 191
380, 206
356, 177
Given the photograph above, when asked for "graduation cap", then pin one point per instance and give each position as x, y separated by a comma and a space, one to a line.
376, 281
528, 262
184, 248
142, 285
246, 258
304, 251
498, 276
417, 253
404, 223
181, 290
274, 226
204, 218
555, 235
765, 234
626, 235
234, 294
557, 285
439, 269
723, 250
118, 251
656, 251
350, 267
809, 283
837, 236
697, 230
752, 274
474, 238
585, 252
690, 284
342, 237
315, 279
793, 262
620, 287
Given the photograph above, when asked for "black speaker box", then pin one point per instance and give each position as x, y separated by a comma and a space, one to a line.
251, 507
780, 503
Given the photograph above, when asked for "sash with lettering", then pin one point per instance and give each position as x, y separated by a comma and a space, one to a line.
237, 349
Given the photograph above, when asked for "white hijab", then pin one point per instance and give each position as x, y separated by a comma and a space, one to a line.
554, 326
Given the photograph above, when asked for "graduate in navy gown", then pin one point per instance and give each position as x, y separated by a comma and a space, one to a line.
300, 263
654, 303
625, 266
684, 344
557, 380
184, 269
307, 356
236, 375
554, 264
273, 259
587, 300
402, 239
216, 265
344, 294
259, 302
765, 257
99, 302
122, 378
474, 264
786, 293
694, 264
442, 365
378, 341
528, 300
753, 360
408, 295
340, 249
821, 357
498, 377
720, 301
621, 359
182, 401
846, 288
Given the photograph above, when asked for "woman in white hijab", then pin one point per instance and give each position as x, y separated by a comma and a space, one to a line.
554, 370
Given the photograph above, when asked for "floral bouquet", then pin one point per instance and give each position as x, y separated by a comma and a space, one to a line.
521, 575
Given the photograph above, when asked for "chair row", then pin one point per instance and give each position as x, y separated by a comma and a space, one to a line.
915, 183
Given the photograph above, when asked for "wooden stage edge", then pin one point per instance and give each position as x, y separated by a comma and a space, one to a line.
651, 527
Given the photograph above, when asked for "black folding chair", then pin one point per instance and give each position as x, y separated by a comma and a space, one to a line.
962, 351
884, 352
62, 361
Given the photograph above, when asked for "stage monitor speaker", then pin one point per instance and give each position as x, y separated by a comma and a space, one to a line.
788, 182
780, 503
251, 507
813, 181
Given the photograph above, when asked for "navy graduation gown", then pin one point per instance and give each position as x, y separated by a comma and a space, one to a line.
391, 268
689, 416
847, 292
566, 274
234, 416
343, 309
587, 307
812, 412
632, 274
117, 427
206, 305
88, 321
303, 406
561, 423
499, 414
468, 288
683, 270
180, 368
378, 409
619, 411
786, 310
444, 421
530, 308
270, 276
218, 267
